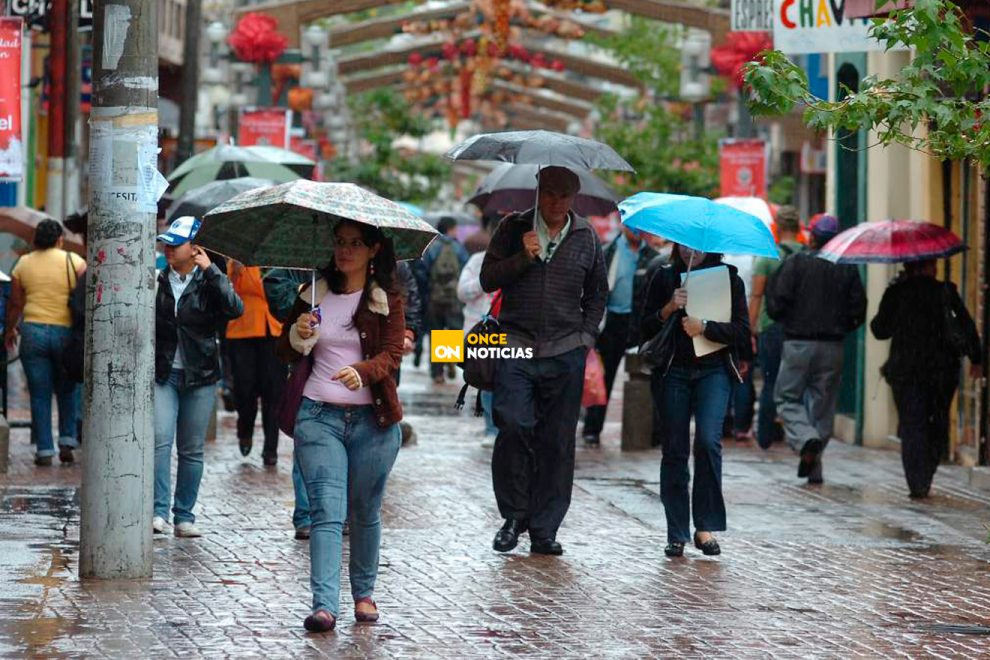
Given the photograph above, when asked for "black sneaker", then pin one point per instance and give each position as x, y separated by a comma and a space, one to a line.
65, 455
43, 461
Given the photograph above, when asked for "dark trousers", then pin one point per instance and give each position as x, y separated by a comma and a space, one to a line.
771, 346
257, 373
536, 406
923, 425
444, 317
702, 393
612, 344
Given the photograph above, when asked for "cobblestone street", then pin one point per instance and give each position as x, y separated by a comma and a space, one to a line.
851, 568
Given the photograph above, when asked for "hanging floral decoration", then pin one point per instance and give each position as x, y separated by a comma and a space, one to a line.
256, 39
739, 48
455, 81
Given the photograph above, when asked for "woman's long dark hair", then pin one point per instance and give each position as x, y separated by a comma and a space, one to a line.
384, 263
711, 259
47, 233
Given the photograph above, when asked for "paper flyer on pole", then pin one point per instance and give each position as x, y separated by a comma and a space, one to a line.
709, 298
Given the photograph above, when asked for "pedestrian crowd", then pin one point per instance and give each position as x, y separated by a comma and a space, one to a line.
318, 356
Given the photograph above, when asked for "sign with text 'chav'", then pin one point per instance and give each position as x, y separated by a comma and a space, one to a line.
819, 26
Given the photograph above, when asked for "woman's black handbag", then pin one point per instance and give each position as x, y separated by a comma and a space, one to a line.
956, 335
658, 350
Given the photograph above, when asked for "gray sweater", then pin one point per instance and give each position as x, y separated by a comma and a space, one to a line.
551, 307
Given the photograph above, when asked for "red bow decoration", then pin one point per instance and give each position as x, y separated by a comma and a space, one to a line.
256, 39
740, 48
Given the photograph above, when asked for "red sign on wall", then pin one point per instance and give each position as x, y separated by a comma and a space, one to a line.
11, 148
267, 127
310, 149
743, 168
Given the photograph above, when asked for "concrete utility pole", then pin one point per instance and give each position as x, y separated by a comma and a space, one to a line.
190, 80
118, 471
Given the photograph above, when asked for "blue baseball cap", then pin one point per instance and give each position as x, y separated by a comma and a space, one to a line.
182, 230
826, 227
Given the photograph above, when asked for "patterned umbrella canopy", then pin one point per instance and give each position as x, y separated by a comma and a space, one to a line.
892, 241
291, 225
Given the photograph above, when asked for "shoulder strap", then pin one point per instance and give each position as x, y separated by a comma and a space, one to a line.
69, 271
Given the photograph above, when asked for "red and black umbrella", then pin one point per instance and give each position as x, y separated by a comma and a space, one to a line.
892, 241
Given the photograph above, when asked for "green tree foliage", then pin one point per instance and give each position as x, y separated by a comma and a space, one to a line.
936, 105
654, 132
382, 116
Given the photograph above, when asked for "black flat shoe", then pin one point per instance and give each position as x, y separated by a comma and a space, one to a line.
809, 454
674, 550
508, 537
545, 547
709, 547
591, 439
245, 445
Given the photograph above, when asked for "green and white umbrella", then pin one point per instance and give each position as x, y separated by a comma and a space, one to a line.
296, 162
291, 225
226, 162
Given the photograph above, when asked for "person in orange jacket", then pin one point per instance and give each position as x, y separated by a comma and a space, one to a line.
256, 371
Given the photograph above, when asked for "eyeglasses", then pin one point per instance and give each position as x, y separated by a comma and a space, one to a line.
355, 244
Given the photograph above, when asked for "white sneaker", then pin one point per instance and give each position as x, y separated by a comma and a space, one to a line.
158, 525
187, 530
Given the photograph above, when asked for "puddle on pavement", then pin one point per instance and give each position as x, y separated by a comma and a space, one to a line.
882, 530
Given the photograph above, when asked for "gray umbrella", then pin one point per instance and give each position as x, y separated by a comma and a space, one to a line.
513, 188
540, 148
199, 201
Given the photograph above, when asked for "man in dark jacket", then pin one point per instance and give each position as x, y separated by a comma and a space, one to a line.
548, 264
627, 259
818, 303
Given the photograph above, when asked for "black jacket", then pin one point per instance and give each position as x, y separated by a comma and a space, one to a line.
815, 299
734, 334
208, 302
912, 316
551, 307
640, 282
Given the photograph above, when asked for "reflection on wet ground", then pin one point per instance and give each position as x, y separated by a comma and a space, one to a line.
849, 568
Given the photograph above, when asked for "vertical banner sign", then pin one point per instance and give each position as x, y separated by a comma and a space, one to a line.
11, 149
267, 127
820, 26
743, 168
752, 15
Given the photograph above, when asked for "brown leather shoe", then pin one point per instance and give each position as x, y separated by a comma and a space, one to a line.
320, 621
365, 610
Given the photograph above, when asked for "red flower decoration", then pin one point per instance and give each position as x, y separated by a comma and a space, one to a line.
256, 39
415, 59
557, 65
740, 48
469, 47
449, 51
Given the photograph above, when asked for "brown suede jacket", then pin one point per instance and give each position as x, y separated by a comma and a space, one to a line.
381, 325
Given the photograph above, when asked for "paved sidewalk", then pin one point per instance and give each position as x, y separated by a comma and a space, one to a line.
851, 568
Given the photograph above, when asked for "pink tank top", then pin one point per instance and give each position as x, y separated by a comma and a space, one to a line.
338, 346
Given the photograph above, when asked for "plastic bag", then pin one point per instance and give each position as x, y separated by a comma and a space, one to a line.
594, 381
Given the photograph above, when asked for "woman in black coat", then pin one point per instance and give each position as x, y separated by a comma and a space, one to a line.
930, 330
696, 387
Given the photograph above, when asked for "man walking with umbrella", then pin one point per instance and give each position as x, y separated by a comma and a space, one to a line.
548, 263
818, 303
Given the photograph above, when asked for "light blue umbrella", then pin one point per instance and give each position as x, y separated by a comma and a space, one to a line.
412, 208
698, 223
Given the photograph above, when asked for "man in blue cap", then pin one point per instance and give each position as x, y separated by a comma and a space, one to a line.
818, 303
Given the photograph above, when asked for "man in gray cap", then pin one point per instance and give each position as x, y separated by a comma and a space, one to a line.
818, 303
548, 264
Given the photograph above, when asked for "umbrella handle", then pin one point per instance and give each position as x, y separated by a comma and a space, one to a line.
312, 292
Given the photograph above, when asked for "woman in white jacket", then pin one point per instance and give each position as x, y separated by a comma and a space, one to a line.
476, 305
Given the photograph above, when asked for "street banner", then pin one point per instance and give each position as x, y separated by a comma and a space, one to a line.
743, 168
11, 148
752, 15
820, 26
264, 126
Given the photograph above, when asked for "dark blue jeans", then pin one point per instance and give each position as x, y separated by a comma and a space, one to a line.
771, 345
702, 393
41, 357
536, 407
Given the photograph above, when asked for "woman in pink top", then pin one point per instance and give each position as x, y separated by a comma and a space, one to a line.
346, 433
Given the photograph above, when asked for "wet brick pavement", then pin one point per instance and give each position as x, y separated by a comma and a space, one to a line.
851, 568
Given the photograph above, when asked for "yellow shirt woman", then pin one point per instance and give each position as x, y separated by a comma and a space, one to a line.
47, 277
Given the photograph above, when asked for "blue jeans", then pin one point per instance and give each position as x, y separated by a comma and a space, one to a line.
41, 355
344, 459
182, 414
486, 403
702, 393
771, 346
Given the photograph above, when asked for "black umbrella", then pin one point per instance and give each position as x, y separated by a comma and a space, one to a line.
513, 188
540, 148
199, 201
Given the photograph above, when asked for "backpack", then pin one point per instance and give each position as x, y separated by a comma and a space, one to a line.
480, 372
788, 252
443, 277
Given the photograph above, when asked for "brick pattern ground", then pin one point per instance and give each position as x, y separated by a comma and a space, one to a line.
849, 569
